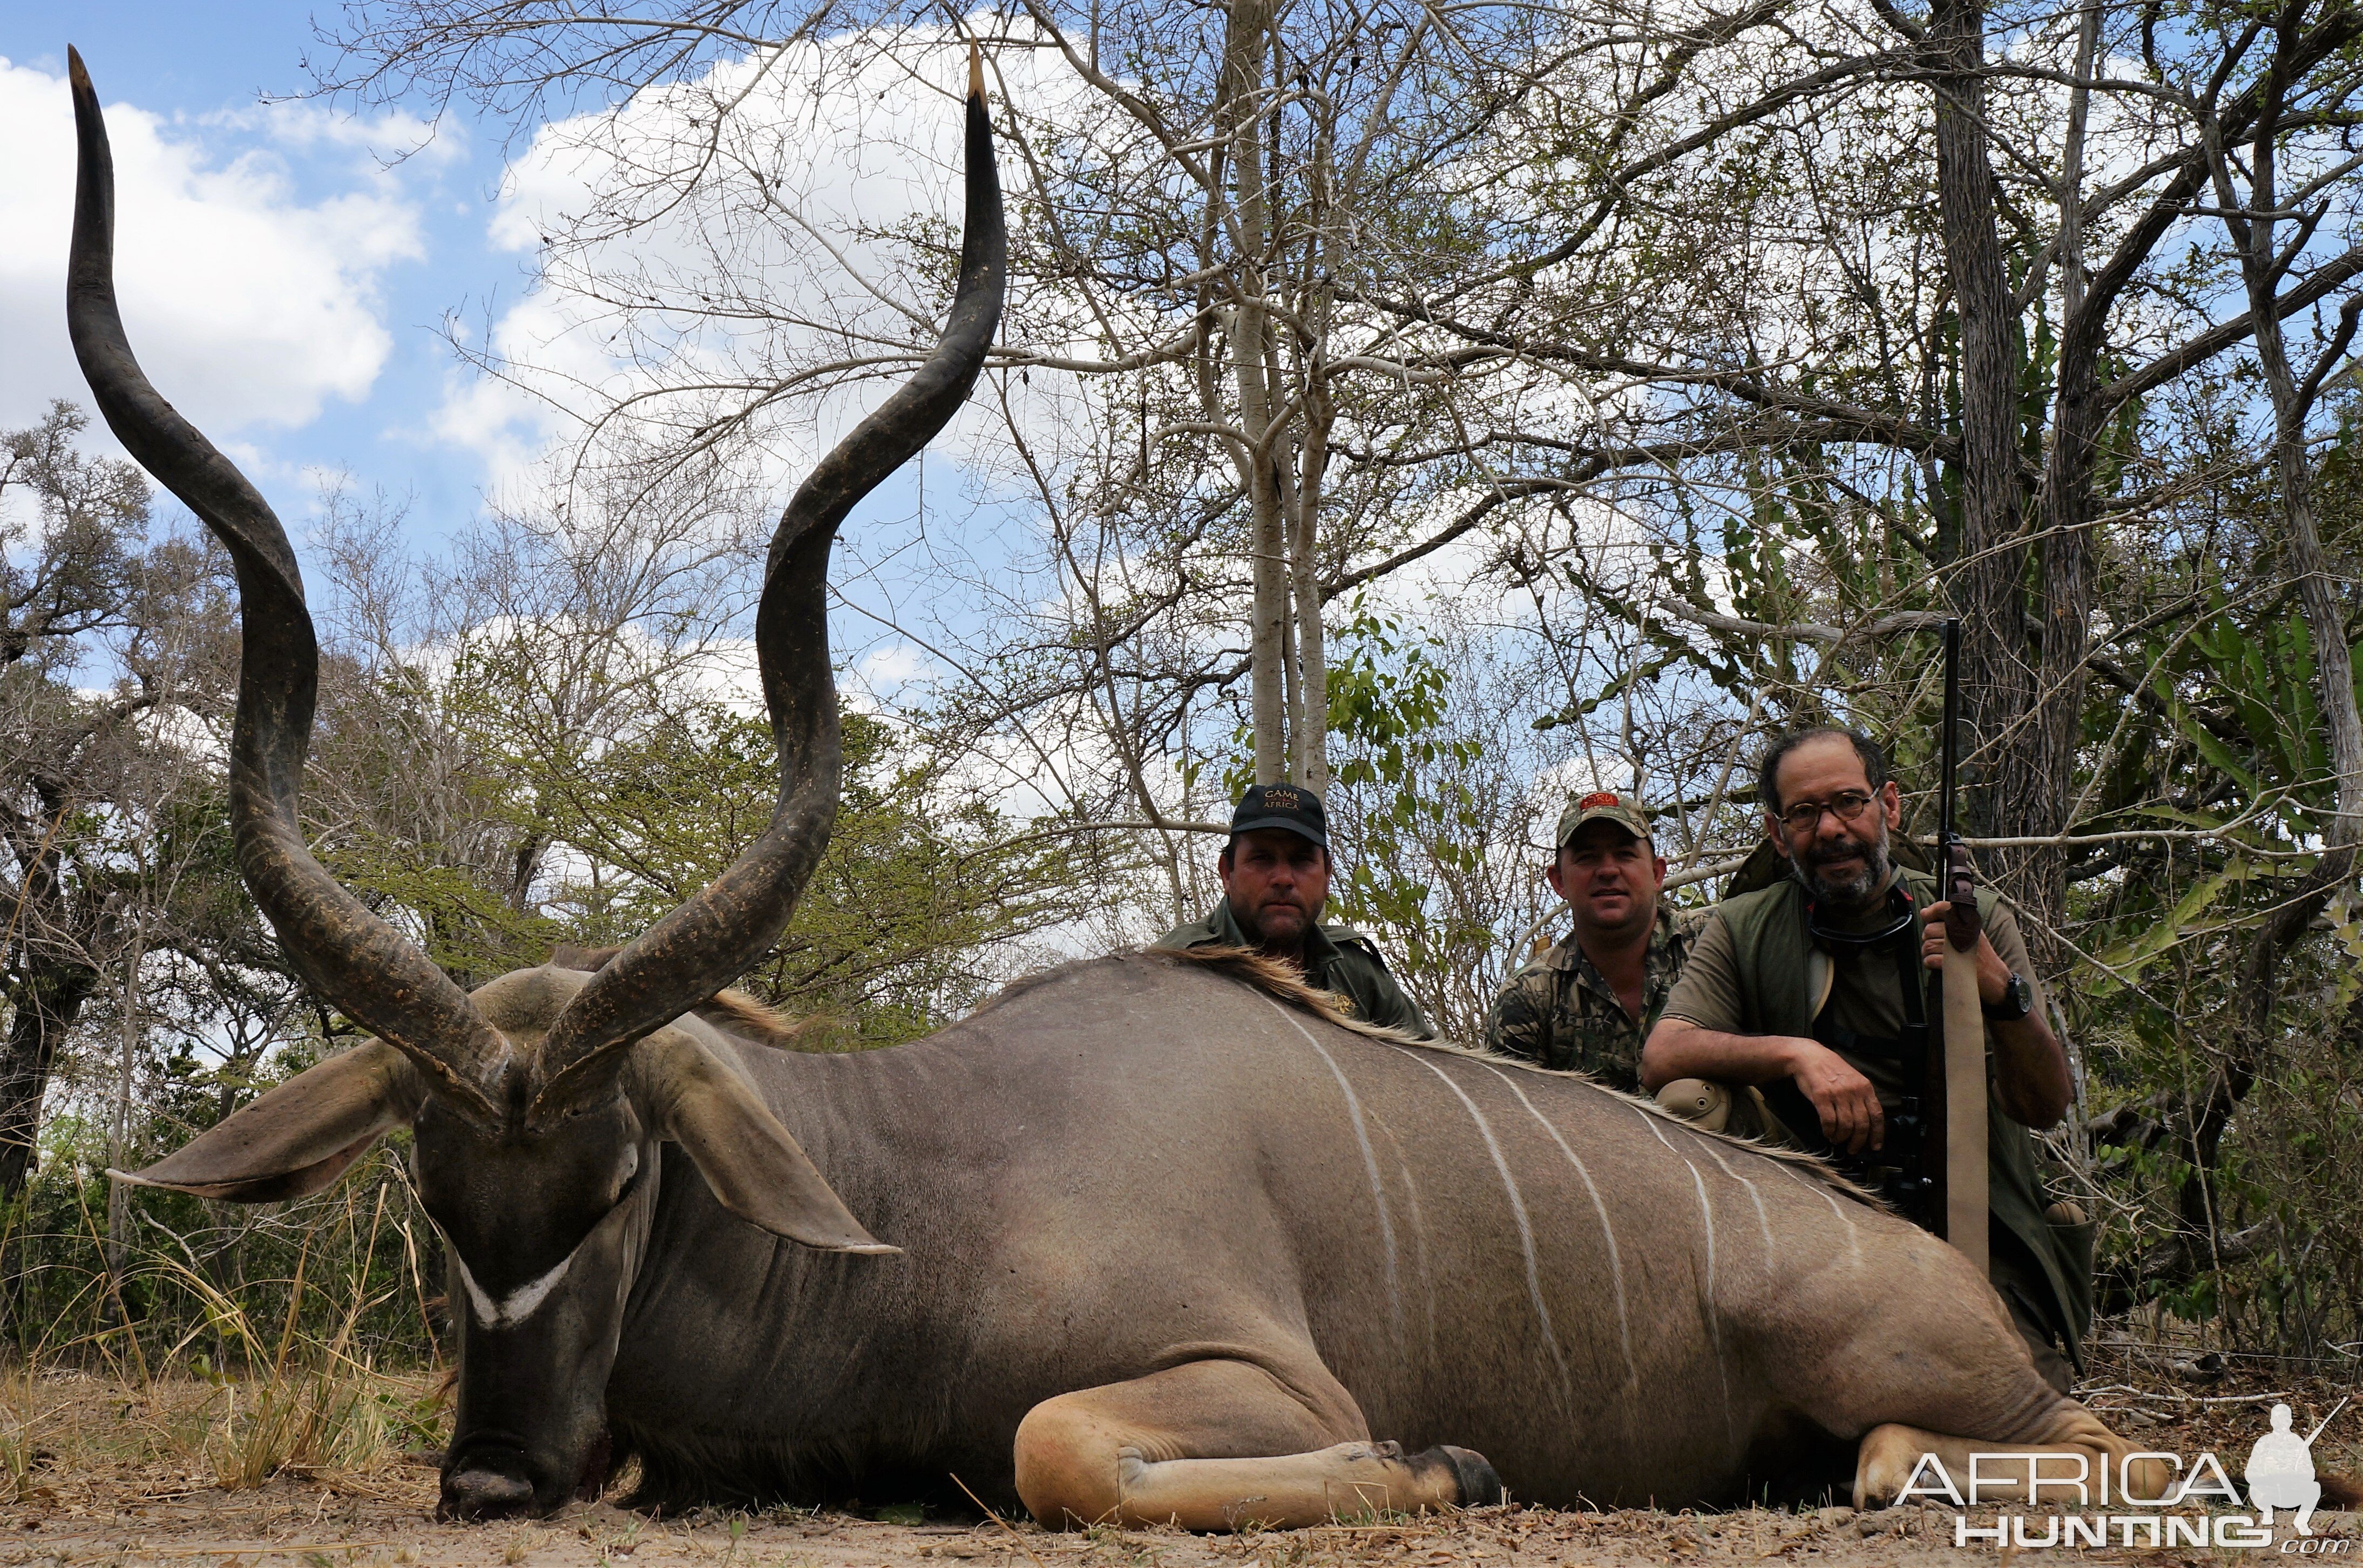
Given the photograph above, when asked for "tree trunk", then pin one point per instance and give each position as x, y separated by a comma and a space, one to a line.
47, 1000
118, 1139
1996, 684
1311, 739
2037, 777
1240, 111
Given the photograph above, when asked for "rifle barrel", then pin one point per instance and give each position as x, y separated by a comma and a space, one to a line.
1945, 791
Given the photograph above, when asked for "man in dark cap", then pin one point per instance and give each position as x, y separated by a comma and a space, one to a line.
1275, 872
1587, 1002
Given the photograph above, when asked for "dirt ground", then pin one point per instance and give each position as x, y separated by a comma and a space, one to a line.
99, 1471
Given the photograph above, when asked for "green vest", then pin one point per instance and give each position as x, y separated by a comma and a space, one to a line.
1770, 947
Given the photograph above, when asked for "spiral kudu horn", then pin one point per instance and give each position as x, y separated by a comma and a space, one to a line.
710, 940
348, 956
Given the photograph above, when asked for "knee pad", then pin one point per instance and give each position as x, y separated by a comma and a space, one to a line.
1699, 1102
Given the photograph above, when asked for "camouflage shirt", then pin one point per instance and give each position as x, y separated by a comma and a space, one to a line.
1336, 958
1561, 1012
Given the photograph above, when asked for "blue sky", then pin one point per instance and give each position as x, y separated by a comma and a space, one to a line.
289, 287
200, 68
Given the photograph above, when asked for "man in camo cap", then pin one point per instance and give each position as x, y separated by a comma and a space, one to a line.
1588, 1002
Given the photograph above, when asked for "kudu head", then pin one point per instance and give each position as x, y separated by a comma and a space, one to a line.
540, 1101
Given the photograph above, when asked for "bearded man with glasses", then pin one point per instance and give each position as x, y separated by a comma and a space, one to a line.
1803, 1018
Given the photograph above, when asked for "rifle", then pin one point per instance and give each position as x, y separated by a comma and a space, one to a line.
1962, 1212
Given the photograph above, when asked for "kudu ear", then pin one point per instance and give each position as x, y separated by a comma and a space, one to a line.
741, 1150
299, 1137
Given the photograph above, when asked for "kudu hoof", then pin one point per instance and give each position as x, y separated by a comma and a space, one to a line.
1474, 1479
484, 1494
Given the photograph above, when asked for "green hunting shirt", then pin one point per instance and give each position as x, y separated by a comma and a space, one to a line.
1561, 1012
1336, 958
1752, 972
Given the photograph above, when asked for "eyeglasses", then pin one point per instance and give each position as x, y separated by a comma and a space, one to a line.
1804, 816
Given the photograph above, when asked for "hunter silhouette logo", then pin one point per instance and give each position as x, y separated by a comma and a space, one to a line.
2281, 1470
2193, 1508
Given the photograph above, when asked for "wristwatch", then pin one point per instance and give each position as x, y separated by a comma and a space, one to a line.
2017, 1001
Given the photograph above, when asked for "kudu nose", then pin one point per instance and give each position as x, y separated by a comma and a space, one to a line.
484, 1494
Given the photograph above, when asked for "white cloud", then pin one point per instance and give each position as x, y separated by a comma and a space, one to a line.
250, 307
894, 666
381, 147
691, 269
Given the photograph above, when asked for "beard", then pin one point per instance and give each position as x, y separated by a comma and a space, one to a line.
1853, 891
1257, 925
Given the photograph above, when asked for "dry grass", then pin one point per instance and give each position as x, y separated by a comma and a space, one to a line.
301, 1405
332, 1468
320, 1424
20, 1453
85, 1434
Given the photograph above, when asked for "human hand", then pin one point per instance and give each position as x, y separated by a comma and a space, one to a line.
1851, 1117
1993, 974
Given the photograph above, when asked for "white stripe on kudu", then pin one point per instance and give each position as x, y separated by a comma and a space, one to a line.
1854, 1240
1369, 1162
1763, 1219
1616, 1263
519, 1304
1525, 1230
1706, 1299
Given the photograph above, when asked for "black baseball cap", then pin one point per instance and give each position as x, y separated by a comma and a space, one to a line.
1290, 806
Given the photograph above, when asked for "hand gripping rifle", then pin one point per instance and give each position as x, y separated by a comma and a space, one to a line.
1963, 1210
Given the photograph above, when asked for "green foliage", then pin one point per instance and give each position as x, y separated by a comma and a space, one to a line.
1386, 704
892, 935
1416, 813
574, 797
2225, 743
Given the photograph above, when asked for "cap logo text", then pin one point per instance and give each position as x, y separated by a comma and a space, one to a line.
1605, 798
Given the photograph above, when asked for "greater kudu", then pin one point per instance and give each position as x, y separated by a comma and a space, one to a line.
1174, 1238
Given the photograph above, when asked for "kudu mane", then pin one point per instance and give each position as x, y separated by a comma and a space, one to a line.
1284, 983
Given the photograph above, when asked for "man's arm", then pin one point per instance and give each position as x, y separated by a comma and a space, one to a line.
1696, 1039
2030, 1067
1395, 1010
1518, 1024
1851, 1117
1383, 1003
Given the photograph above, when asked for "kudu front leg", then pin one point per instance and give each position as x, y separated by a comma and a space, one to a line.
1219, 1445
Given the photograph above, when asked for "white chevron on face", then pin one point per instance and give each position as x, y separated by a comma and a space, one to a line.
526, 1300
519, 1304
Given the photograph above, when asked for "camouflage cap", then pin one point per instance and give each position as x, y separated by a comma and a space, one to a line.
1289, 806
1601, 806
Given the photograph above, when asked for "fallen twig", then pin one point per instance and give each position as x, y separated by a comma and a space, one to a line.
1003, 1523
